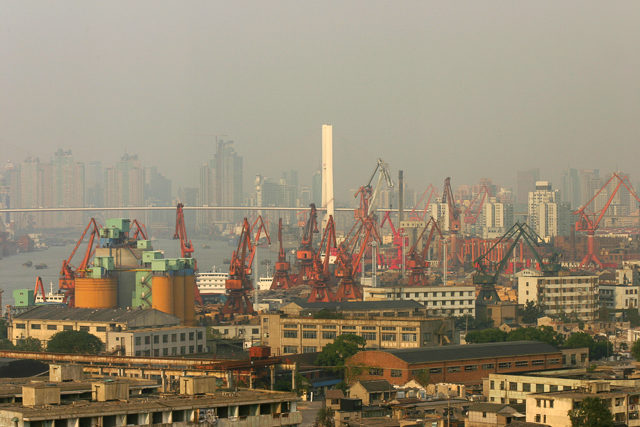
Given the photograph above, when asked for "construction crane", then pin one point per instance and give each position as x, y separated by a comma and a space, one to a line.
239, 285
68, 273
368, 195
420, 216
40, 289
475, 207
320, 276
454, 221
281, 279
186, 247
305, 253
590, 220
417, 262
347, 264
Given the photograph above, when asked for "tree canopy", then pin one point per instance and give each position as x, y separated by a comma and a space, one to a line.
340, 349
532, 312
328, 314
29, 344
81, 342
597, 349
592, 412
635, 350
543, 333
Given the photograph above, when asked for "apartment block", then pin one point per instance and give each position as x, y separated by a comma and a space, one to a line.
157, 342
456, 300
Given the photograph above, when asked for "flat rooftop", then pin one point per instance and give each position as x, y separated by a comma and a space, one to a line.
10, 387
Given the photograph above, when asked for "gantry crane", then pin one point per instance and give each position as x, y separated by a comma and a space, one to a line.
305, 253
368, 195
281, 279
68, 273
186, 247
239, 285
417, 262
589, 220
320, 276
475, 207
454, 222
347, 264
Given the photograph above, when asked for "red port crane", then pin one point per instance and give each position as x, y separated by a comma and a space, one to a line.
395, 263
68, 273
305, 253
238, 284
319, 281
454, 222
417, 262
347, 265
589, 220
419, 216
39, 288
475, 207
186, 247
140, 230
281, 279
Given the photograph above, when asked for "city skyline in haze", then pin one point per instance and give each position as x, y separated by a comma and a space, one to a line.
466, 90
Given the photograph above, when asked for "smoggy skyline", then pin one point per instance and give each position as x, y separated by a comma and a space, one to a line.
466, 90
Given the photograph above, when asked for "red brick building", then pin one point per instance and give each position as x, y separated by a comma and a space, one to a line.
465, 364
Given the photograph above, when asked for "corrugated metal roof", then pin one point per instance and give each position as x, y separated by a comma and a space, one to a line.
473, 351
376, 385
82, 314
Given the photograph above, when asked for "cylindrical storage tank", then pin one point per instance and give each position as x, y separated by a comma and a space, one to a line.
178, 297
162, 293
190, 300
96, 293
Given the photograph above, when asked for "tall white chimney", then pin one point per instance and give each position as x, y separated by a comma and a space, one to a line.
327, 172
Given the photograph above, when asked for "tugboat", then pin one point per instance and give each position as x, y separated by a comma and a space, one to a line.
27, 264
41, 266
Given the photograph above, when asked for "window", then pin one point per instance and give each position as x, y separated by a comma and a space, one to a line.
35, 326
453, 369
254, 331
378, 372
156, 339
309, 326
388, 337
165, 351
289, 349
174, 351
526, 387
138, 353
309, 349
368, 328
138, 340
156, 352
489, 366
408, 337
174, 337
504, 365
183, 336
408, 329
147, 339
183, 350
265, 320
67, 327
52, 327
348, 328
396, 373
539, 388
492, 385
553, 361
435, 370
290, 326
388, 328
20, 326
369, 336
471, 368
328, 326
329, 335
165, 338
192, 336
537, 362
522, 363
84, 328
513, 386
192, 349
290, 334
200, 334
309, 334
501, 385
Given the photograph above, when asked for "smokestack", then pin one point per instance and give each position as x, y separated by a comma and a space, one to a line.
400, 197
327, 172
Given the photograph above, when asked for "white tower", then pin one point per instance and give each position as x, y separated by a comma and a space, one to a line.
327, 172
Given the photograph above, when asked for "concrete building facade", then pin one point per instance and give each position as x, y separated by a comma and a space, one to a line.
455, 300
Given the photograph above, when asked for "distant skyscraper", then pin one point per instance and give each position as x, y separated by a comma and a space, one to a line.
94, 184
228, 181
547, 215
571, 188
65, 188
124, 183
526, 183
590, 183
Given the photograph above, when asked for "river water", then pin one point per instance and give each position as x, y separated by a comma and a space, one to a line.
14, 276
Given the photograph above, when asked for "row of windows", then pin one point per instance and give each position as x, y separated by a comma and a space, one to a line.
254, 331
165, 351
369, 336
433, 294
165, 338
527, 387
38, 326
445, 302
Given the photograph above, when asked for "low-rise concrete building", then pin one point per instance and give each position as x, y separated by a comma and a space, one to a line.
457, 300
372, 392
494, 414
157, 342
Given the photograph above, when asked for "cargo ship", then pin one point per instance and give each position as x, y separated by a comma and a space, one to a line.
212, 284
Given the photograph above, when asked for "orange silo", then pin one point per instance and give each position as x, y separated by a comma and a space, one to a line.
96, 293
178, 296
162, 294
190, 300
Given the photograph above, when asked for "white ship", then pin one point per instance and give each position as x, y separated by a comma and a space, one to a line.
264, 283
52, 297
212, 283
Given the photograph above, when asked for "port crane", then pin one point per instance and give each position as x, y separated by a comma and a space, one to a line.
140, 232
320, 276
281, 279
420, 216
395, 263
472, 212
305, 253
590, 220
68, 273
368, 195
417, 258
186, 247
39, 288
239, 285
454, 221
347, 264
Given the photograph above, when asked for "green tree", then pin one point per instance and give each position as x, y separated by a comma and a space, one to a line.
635, 350
3, 329
339, 350
81, 342
5, 344
543, 333
532, 312
328, 314
591, 412
324, 418
423, 377
487, 335
597, 350
29, 344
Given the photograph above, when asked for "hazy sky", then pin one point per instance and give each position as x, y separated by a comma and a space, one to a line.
460, 89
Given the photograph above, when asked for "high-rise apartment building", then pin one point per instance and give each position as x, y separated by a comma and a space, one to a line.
64, 187
497, 217
94, 184
590, 183
548, 216
571, 188
124, 183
